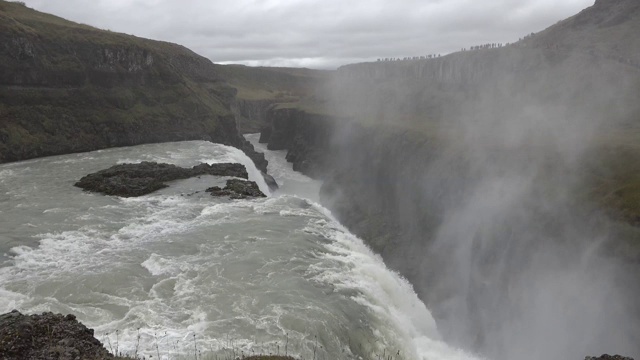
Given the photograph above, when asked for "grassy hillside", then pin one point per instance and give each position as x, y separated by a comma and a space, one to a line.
67, 87
282, 84
608, 29
260, 88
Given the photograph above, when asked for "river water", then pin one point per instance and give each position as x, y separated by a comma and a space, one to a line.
179, 273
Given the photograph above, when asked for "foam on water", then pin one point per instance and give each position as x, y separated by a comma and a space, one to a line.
290, 182
239, 275
200, 152
237, 156
403, 318
387, 294
6, 173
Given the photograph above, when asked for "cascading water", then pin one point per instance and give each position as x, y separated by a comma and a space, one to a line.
178, 271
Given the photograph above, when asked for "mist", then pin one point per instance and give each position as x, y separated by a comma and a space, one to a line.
480, 162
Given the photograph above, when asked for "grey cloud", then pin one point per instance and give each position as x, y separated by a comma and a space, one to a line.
316, 33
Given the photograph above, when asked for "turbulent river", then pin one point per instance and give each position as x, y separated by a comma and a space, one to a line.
179, 273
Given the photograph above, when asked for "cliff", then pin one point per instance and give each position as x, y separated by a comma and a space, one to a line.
577, 63
417, 202
258, 88
579, 71
67, 87
306, 137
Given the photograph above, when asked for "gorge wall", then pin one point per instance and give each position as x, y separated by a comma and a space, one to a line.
67, 87
474, 242
250, 114
476, 176
467, 173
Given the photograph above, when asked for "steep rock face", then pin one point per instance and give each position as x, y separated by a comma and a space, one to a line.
397, 189
362, 173
67, 87
251, 114
465, 174
367, 194
282, 124
306, 136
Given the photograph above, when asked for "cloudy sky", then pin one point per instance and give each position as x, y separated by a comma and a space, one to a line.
317, 33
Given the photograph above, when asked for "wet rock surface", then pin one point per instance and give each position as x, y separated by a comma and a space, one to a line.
47, 336
237, 189
130, 180
307, 138
271, 182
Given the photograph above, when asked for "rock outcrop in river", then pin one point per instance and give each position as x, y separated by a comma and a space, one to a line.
130, 180
237, 189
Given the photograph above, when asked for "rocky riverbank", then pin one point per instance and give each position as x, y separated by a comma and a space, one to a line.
55, 336
49, 336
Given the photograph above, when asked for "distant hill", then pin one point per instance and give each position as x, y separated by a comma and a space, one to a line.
569, 90
68, 87
609, 29
277, 83
598, 46
259, 88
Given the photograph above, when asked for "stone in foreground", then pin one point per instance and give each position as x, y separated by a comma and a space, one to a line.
237, 189
47, 336
130, 180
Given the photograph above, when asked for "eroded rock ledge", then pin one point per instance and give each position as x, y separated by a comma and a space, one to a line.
130, 180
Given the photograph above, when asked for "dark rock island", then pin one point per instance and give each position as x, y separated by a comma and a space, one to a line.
237, 189
130, 180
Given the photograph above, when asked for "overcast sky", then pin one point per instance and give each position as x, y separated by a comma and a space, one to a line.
317, 33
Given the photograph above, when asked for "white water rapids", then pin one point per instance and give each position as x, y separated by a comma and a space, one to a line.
178, 272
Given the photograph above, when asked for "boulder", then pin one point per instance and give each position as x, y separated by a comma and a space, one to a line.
237, 189
47, 336
271, 182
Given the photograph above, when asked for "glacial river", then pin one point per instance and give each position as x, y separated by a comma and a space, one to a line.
179, 272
